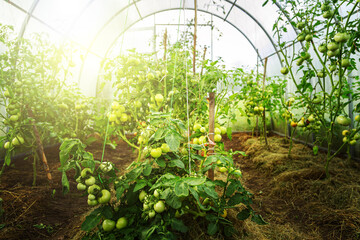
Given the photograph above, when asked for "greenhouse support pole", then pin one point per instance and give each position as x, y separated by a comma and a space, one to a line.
195, 28
40, 148
211, 130
264, 116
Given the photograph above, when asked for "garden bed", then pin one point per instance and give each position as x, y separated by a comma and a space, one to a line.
291, 194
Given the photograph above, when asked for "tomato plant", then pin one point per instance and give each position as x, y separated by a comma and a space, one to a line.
324, 88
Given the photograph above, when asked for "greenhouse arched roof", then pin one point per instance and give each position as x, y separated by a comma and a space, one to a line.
96, 25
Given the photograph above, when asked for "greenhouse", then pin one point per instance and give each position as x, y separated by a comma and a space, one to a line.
180, 119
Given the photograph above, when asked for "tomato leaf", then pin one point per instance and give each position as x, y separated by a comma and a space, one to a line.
211, 192
92, 220
256, 218
65, 183
178, 163
229, 132
161, 162
244, 214
140, 185
212, 228
181, 189
147, 169
173, 138
173, 201
179, 225
195, 181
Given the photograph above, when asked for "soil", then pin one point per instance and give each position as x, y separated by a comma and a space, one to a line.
291, 194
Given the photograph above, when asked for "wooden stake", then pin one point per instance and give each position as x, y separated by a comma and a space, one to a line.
165, 42
40, 148
211, 130
264, 116
202, 67
195, 28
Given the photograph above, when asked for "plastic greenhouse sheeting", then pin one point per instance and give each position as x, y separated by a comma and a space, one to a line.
96, 25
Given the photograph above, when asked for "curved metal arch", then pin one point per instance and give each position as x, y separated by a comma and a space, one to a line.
172, 9
259, 24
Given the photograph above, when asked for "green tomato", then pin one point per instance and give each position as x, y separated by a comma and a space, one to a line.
299, 62
85, 172
106, 167
94, 189
222, 169
165, 148
341, 37
333, 53
332, 68
90, 181
223, 130
124, 117
156, 193
202, 139
202, 129
108, 225
345, 62
105, 196
325, 7
195, 141
300, 25
92, 202
121, 223
7, 145
217, 138
352, 142
159, 98
142, 195
357, 118
305, 55
332, 46
309, 37
14, 118
342, 120
301, 37
322, 48
91, 197
81, 186
151, 214
15, 141
138, 104
284, 70
159, 207
156, 152
145, 206
328, 14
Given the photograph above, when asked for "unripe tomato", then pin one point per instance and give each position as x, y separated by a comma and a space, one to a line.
300, 25
322, 48
341, 37
7, 145
85, 172
328, 14
301, 37
105, 196
150, 76
90, 181
202, 139
217, 138
159, 98
222, 169
195, 141
108, 225
138, 104
332, 46
81, 186
342, 120
115, 105
165, 148
223, 130
217, 131
124, 117
142, 195
94, 189
121, 223
202, 129
309, 37
156, 152
92, 202
284, 70
91, 197
345, 62
159, 207
352, 142
357, 118
14, 118
224, 214
151, 214
345, 132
